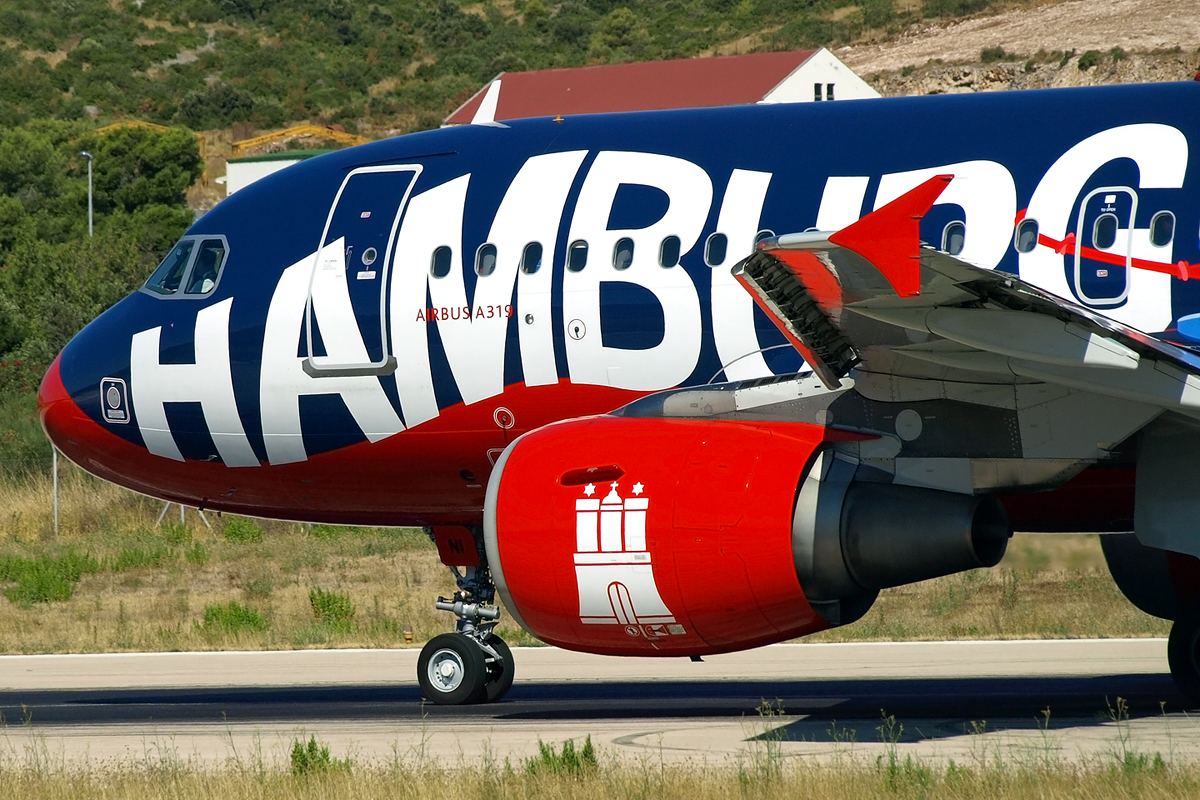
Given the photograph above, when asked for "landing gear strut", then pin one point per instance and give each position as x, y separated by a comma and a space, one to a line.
1183, 653
473, 664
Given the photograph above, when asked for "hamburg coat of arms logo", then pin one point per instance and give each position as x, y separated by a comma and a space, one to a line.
614, 568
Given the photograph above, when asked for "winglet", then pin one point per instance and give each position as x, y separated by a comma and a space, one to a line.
890, 237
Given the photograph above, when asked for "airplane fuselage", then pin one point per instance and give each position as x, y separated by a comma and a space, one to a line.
388, 318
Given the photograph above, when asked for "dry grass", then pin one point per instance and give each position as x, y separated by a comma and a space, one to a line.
753, 777
151, 586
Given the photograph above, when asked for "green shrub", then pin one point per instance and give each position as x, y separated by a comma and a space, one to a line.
991, 54
328, 531
176, 533
259, 586
233, 618
1089, 59
133, 557
1117, 54
312, 758
44, 579
242, 529
197, 554
567, 762
331, 608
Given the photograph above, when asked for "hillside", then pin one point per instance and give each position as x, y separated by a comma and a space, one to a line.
377, 67
1076, 43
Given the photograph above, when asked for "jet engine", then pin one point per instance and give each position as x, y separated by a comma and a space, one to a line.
632, 536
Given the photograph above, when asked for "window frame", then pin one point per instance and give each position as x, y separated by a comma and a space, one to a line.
617, 249
1174, 227
708, 250
1107, 215
433, 261
946, 235
181, 293
537, 267
1037, 231
662, 246
479, 256
578, 244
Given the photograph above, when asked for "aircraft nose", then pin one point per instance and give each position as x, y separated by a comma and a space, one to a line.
63, 421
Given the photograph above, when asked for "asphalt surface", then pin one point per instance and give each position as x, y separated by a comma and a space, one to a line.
1078, 698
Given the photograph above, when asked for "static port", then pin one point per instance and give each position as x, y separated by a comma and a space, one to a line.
467, 475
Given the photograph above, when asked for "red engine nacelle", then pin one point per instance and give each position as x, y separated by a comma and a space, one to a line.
631, 536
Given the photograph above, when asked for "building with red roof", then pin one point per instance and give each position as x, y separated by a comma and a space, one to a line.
789, 77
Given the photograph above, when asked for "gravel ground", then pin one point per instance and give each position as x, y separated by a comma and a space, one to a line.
1081, 25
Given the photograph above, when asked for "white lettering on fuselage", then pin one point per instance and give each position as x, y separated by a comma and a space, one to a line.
474, 340
208, 381
283, 380
689, 194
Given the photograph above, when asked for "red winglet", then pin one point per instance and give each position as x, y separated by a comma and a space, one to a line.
890, 237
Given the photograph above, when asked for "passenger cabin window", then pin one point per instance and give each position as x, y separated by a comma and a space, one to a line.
623, 254
531, 258
953, 237
169, 275
439, 263
1027, 236
485, 260
577, 256
207, 268
668, 252
1104, 231
715, 249
1162, 229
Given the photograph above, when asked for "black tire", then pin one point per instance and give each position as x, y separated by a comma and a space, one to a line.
1183, 653
451, 670
501, 673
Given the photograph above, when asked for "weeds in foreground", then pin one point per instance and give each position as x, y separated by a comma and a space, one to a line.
243, 530
233, 618
331, 608
313, 758
565, 762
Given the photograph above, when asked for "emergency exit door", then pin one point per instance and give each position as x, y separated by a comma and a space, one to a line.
346, 322
1104, 245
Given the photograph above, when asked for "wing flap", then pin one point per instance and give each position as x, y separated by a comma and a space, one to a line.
870, 297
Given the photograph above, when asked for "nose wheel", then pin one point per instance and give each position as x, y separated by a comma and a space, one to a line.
456, 670
473, 664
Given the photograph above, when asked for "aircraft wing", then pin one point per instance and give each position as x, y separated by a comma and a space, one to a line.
871, 297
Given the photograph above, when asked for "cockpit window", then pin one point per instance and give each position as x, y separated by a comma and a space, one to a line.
193, 266
207, 268
169, 275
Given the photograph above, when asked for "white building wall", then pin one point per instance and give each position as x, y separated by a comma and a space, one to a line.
240, 174
823, 68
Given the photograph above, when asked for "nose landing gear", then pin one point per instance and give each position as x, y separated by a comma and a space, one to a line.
473, 664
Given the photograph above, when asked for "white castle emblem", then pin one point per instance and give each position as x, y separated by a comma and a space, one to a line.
614, 568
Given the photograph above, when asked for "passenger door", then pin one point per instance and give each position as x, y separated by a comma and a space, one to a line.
346, 322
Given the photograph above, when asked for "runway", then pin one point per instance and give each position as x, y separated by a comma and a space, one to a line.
961, 700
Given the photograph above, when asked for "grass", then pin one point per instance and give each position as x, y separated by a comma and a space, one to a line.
312, 772
111, 581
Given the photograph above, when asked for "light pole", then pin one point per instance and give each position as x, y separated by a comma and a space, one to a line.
88, 156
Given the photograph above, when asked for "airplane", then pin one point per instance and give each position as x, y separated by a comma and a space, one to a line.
687, 382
